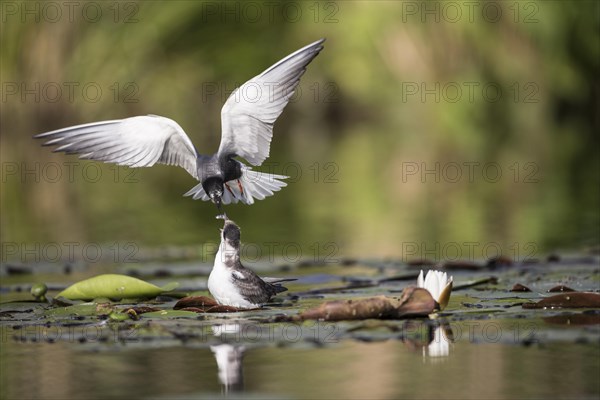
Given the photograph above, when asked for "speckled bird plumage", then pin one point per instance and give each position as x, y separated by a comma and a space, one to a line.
232, 284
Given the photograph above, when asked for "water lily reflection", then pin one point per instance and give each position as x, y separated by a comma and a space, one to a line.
440, 338
438, 284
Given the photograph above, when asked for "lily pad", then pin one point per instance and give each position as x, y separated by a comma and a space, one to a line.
413, 302
462, 265
561, 289
85, 309
520, 288
573, 319
115, 287
203, 304
166, 314
568, 300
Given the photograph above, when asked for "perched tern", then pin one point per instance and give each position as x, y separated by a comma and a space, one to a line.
232, 284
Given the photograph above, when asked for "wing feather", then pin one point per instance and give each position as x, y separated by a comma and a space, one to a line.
251, 287
136, 142
248, 116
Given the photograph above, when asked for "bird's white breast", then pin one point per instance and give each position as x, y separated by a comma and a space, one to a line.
222, 288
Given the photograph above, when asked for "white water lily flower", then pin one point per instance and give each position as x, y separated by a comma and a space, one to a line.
438, 284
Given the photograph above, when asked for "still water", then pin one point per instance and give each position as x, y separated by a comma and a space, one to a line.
349, 369
484, 345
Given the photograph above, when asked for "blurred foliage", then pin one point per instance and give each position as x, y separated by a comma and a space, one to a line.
508, 87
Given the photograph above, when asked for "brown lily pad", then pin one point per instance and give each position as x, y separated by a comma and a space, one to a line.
413, 302
214, 309
574, 319
561, 289
484, 281
419, 263
403, 277
203, 304
325, 290
500, 261
465, 265
568, 300
520, 288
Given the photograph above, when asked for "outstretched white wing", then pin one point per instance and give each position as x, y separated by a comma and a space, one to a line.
136, 142
249, 113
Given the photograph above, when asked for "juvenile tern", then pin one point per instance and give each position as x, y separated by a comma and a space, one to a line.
232, 284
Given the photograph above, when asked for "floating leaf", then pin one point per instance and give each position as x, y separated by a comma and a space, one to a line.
413, 302
203, 304
166, 314
115, 287
84, 309
499, 261
491, 280
574, 319
568, 300
459, 265
553, 258
351, 287
420, 263
62, 302
337, 310
561, 288
520, 288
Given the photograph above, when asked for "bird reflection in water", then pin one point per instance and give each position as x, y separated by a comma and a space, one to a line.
229, 358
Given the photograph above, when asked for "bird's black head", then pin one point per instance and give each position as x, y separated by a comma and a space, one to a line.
214, 189
231, 234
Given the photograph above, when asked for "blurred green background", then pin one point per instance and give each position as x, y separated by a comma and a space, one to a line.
423, 129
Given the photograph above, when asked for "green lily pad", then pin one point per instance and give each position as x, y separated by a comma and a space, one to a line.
166, 314
115, 287
84, 310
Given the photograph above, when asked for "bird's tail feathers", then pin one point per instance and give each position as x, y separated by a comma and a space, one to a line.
250, 186
275, 283
255, 185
